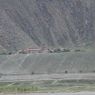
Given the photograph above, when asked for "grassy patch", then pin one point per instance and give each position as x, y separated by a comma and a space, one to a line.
48, 86
18, 89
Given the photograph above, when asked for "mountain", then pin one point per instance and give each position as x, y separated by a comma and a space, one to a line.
53, 23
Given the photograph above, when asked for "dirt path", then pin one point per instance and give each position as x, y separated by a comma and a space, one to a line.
13, 78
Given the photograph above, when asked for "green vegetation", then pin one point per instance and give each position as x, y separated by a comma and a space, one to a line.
17, 88
48, 86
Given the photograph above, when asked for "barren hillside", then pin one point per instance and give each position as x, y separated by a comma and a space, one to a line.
54, 23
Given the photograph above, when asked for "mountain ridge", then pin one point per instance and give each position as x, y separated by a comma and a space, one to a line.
54, 23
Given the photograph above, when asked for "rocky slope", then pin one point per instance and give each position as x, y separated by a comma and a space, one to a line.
54, 23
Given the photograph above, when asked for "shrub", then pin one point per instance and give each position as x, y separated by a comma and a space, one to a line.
10, 53
77, 50
66, 50
66, 72
80, 71
57, 50
32, 73
93, 71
